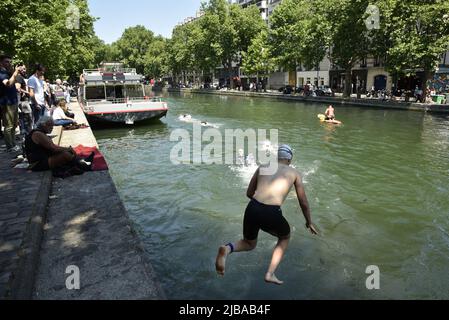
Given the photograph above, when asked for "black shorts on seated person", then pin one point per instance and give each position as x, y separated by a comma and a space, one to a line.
40, 164
268, 218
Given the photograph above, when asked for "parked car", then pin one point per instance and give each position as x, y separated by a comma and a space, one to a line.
324, 91
327, 90
212, 85
299, 89
287, 89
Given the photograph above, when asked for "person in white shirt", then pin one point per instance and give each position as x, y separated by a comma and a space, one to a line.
59, 116
37, 95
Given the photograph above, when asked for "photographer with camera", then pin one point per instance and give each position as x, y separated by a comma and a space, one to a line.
8, 101
25, 115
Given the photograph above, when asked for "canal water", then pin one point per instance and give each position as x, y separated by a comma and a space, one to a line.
378, 188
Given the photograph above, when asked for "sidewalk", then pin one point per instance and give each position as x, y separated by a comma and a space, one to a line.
23, 198
364, 102
88, 227
47, 225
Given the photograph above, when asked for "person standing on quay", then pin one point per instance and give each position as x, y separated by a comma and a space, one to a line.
25, 117
330, 113
37, 94
267, 194
8, 102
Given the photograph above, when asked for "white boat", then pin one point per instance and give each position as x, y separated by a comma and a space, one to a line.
115, 94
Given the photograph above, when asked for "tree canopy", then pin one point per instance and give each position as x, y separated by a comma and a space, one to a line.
258, 58
133, 46
43, 34
411, 35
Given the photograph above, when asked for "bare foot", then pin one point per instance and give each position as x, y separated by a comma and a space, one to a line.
220, 263
271, 278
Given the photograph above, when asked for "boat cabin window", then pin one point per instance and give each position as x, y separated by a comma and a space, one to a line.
134, 91
115, 92
95, 93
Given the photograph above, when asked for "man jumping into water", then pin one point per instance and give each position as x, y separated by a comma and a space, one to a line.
267, 194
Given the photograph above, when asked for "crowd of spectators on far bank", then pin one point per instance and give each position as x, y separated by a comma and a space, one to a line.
26, 99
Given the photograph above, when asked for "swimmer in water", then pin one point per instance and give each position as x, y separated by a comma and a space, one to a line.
250, 161
241, 158
267, 194
187, 117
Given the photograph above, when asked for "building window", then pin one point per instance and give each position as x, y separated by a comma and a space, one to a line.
377, 62
363, 63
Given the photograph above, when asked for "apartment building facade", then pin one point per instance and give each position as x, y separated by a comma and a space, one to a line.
272, 4
187, 20
261, 4
440, 81
367, 74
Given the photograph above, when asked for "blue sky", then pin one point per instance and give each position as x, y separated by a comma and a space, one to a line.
160, 16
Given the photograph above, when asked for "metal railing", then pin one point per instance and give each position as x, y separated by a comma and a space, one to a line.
122, 100
109, 70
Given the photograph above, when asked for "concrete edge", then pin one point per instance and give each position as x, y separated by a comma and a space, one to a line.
23, 280
140, 248
432, 108
137, 243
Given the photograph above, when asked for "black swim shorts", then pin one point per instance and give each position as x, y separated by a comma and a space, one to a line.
268, 218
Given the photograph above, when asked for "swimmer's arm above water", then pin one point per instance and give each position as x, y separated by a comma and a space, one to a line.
253, 186
304, 203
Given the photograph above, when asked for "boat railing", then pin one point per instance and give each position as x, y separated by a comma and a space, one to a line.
109, 70
123, 100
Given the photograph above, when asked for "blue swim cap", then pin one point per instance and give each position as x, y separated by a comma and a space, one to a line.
285, 152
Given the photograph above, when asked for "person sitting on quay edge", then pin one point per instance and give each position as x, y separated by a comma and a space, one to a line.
330, 113
59, 115
44, 155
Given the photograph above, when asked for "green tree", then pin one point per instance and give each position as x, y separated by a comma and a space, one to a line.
83, 44
416, 33
284, 39
249, 25
258, 60
313, 32
181, 54
300, 34
39, 33
101, 51
10, 15
204, 58
40, 36
229, 30
348, 34
220, 32
156, 58
132, 47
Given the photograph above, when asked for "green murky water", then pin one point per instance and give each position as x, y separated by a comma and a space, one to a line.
378, 187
